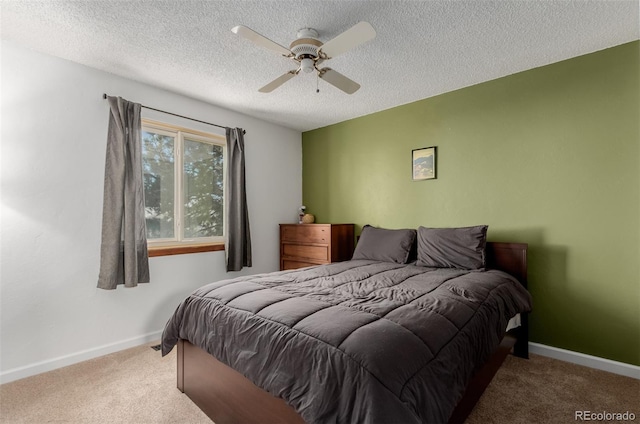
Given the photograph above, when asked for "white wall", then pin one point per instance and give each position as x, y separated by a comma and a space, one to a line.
54, 125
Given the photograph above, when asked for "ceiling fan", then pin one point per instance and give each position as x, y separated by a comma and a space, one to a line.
309, 53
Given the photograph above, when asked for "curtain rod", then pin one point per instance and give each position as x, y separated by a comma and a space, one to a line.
104, 96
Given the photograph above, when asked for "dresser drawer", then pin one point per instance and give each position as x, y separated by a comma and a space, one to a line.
307, 233
320, 253
289, 264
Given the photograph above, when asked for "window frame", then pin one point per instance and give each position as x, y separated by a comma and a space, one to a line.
180, 244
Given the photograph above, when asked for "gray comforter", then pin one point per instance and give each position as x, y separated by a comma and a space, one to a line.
357, 341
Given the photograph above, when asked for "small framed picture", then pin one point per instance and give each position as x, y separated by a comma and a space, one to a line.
423, 163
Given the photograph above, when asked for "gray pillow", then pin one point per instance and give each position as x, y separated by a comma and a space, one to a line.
380, 244
462, 248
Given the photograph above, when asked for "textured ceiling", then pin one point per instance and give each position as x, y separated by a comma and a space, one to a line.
422, 48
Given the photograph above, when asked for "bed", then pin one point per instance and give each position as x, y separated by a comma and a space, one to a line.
382, 338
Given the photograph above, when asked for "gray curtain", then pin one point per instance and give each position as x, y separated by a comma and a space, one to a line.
238, 238
123, 255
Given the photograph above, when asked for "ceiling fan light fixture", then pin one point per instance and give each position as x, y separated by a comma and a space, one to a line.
307, 65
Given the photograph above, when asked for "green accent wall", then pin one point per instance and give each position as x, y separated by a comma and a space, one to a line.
548, 157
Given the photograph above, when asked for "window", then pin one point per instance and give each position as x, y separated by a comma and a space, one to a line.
183, 188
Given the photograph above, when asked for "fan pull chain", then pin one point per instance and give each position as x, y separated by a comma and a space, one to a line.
317, 82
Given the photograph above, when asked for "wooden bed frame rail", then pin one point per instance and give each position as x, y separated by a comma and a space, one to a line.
512, 259
227, 397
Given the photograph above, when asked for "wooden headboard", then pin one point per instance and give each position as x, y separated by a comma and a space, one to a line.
510, 258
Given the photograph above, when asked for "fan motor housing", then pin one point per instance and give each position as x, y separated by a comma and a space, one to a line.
305, 47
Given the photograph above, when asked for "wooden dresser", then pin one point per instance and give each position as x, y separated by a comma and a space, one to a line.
314, 244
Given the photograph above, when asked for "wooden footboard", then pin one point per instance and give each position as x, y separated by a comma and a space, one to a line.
227, 397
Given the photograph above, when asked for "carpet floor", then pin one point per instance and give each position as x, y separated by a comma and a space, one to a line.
139, 386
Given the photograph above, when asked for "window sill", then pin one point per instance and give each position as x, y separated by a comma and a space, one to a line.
183, 249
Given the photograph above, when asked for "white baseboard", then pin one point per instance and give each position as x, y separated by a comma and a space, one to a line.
74, 358
578, 358
608, 365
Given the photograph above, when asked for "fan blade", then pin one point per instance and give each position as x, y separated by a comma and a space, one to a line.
354, 36
278, 81
260, 40
338, 80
